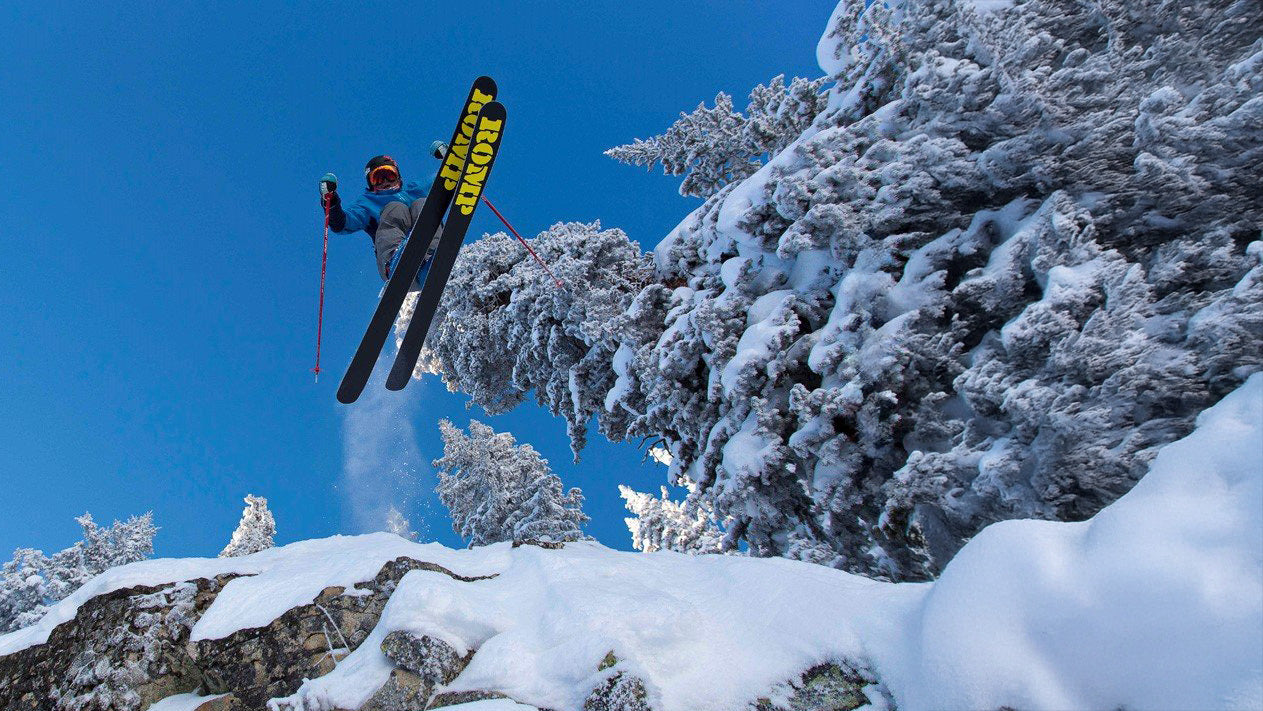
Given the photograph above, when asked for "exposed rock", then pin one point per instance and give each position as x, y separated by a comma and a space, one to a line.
620, 692
550, 545
123, 651
306, 642
228, 702
827, 687
404, 691
452, 698
391, 572
130, 648
330, 592
434, 660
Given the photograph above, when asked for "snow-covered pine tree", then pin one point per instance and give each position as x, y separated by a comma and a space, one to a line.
254, 532
555, 341
1016, 253
713, 147
32, 581
24, 591
399, 524
497, 490
663, 524
1016, 242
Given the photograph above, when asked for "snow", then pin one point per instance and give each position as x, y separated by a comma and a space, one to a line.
622, 385
983, 7
830, 55
296, 574
278, 580
704, 632
1155, 602
183, 702
661, 455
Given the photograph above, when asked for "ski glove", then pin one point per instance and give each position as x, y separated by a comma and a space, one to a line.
328, 184
329, 199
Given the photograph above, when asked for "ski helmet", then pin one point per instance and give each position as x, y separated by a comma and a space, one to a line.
377, 162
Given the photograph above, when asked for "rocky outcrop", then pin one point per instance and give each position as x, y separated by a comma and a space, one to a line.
423, 663
404, 690
122, 652
130, 648
433, 660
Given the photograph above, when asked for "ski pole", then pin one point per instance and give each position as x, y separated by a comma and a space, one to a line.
320, 313
438, 149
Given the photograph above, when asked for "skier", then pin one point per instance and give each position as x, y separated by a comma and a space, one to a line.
386, 210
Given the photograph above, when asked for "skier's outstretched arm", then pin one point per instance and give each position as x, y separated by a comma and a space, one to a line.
342, 221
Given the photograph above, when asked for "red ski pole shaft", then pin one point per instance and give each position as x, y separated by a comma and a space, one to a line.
524, 243
320, 313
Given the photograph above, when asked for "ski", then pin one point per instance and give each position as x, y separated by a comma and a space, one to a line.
482, 154
411, 253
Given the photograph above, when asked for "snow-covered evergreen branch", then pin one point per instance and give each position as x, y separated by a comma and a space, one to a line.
713, 147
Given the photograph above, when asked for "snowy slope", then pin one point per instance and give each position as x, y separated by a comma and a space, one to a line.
1156, 602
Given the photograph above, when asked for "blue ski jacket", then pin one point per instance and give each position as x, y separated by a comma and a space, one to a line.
362, 213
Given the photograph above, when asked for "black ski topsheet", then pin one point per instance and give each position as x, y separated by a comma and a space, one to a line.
482, 155
413, 250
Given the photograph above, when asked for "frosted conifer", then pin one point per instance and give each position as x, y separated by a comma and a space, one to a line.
663, 524
713, 147
556, 342
1014, 254
33, 581
24, 590
254, 532
986, 283
497, 490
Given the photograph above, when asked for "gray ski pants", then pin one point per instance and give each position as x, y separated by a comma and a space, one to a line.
393, 225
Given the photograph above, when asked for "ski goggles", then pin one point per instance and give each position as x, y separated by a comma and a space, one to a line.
383, 175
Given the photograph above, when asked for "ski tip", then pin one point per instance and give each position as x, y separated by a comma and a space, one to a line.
396, 382
486, 85
493, 110
346, 395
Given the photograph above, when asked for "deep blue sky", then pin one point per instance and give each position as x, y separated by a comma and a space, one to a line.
160, 230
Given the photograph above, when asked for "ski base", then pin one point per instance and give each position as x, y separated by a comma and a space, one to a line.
413, 251
482, 152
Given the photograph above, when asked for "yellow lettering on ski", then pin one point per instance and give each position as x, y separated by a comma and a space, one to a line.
455, 161
479, 157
